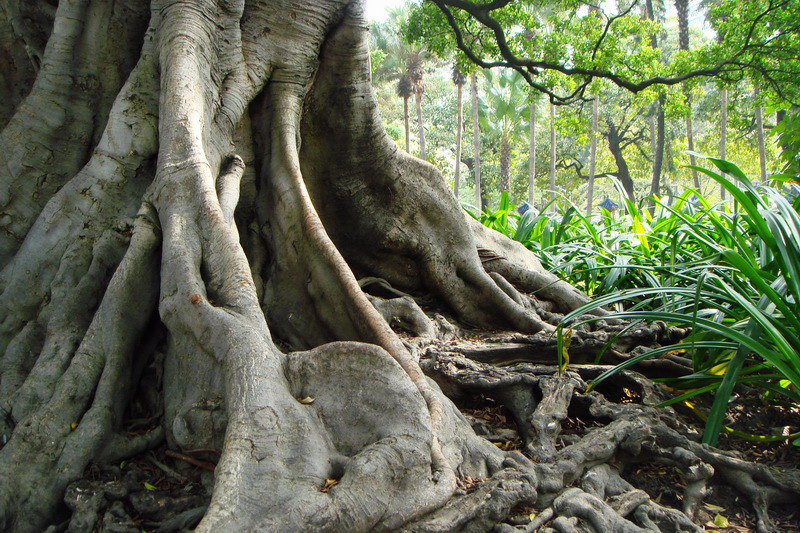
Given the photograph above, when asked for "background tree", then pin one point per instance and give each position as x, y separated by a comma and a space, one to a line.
459, 79
502, 107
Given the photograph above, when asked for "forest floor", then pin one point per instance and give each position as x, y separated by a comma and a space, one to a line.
168, 490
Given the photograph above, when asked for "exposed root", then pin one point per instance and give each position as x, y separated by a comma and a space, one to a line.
632, 433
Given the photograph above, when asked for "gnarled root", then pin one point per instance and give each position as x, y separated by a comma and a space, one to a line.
540, 399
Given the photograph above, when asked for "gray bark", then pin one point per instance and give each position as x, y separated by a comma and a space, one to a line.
762, 154
197, 230
459, 132
592, 157
476, 140
552, 154
532, 153
421, 128
723, 136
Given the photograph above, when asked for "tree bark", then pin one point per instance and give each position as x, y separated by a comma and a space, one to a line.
476, 142
405, 122
505, 164
532, 154
592, 157
723, 136
226, 202
623, 173
459, 132
552, 154
658, 147
762, 153
418, 99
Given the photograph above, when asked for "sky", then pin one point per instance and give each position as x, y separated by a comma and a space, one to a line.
378, 9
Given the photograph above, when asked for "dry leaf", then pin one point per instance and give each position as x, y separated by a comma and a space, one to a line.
308, 400
330, 482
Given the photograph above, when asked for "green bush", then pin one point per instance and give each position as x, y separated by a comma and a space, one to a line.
730, 272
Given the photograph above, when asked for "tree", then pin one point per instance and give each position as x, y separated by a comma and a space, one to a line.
211, 176
502, 108
532, 150
476, 142
682, 7
150, 218
459, 79
404, 91
592, 155
416, 79
552, 153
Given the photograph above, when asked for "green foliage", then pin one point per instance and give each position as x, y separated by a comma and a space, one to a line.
730, 274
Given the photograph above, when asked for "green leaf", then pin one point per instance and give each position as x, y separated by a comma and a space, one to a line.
148, 486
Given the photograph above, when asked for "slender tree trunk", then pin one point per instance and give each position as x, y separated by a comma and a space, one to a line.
723, 134
422, 153
532, 153
592, 156
682, 7
552, 154
476, 142
690, 141
658, 151
405, 122
505, 164
762, 153
459, 132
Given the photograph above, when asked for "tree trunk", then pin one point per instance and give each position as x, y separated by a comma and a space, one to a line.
658, 150
418, 100
459, 132
592, 157
532, 154
690, 142
505, 164
762, 154
552, 155
623, 173
476, 143
208, 189
682, 7
405, 122
723, 134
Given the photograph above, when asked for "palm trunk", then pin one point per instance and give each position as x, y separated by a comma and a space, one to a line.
505, 164
422, 154
532, 154
459, 132
476, 142
405, 120
592, 156
552, 153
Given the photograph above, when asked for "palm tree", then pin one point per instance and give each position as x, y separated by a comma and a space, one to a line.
459, 79
415, 70
404, 91
503, 107
476, 141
